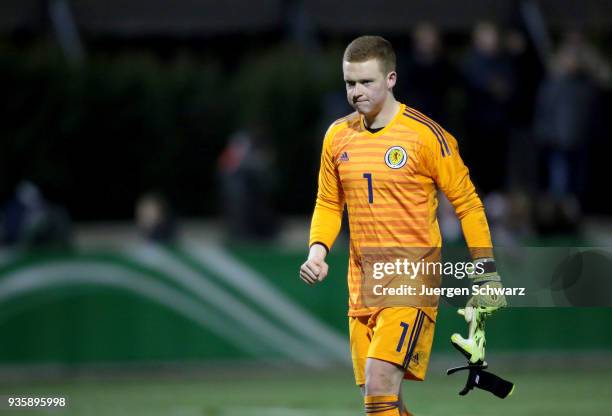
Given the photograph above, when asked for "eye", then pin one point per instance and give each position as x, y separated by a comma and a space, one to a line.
350, 83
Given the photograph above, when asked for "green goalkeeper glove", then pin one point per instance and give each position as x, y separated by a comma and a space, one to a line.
490, 297
473, 348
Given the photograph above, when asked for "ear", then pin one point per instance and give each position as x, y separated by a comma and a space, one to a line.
391, 79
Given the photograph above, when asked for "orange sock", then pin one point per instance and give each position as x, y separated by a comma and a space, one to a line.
382, 405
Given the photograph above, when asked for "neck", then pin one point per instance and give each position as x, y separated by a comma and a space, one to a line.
384, 116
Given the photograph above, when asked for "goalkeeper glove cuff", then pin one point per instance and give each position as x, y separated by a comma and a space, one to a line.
488, 278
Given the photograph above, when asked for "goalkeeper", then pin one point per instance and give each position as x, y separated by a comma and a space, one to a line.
386, 162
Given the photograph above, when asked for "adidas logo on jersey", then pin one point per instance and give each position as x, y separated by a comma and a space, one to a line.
344, 157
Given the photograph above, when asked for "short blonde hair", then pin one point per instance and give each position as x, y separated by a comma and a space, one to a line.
365, 48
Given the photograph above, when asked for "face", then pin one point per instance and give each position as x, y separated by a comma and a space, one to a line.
486, 38
426, 39
367, 87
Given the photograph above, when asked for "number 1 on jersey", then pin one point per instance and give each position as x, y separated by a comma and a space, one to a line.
403, 336
368, 176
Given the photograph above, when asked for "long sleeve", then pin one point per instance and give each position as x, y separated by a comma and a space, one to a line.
327, 216
452, 177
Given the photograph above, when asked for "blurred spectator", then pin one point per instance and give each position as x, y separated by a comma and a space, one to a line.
247, 180
425, 75
489, 82
29, 220
592, 61
562, 121
528, 73
595, 66
155, 219
563, 125
510, 217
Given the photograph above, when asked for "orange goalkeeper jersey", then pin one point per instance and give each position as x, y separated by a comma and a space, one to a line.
389, 181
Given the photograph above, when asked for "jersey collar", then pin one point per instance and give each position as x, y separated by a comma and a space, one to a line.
382, 131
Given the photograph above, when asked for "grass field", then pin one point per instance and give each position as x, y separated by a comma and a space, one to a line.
273, 393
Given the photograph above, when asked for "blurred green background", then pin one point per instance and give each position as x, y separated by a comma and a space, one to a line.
111, 347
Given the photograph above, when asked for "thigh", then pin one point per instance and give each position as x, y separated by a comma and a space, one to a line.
360, 338
403, 337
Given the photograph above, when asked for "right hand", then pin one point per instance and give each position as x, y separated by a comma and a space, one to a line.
486, 304
493, 297
313, 270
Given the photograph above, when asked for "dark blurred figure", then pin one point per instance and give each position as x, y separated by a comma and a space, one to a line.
155, 219
510, 217
567, 119
592, 62
489, 84
528, 72
562, 119
427, 77
30, 221
596, 68
247, 181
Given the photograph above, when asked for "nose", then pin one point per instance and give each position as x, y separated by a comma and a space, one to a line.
357, 91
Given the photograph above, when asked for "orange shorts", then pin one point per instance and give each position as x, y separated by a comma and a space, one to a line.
399, 335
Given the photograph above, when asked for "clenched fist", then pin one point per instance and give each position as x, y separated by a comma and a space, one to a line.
315, 268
